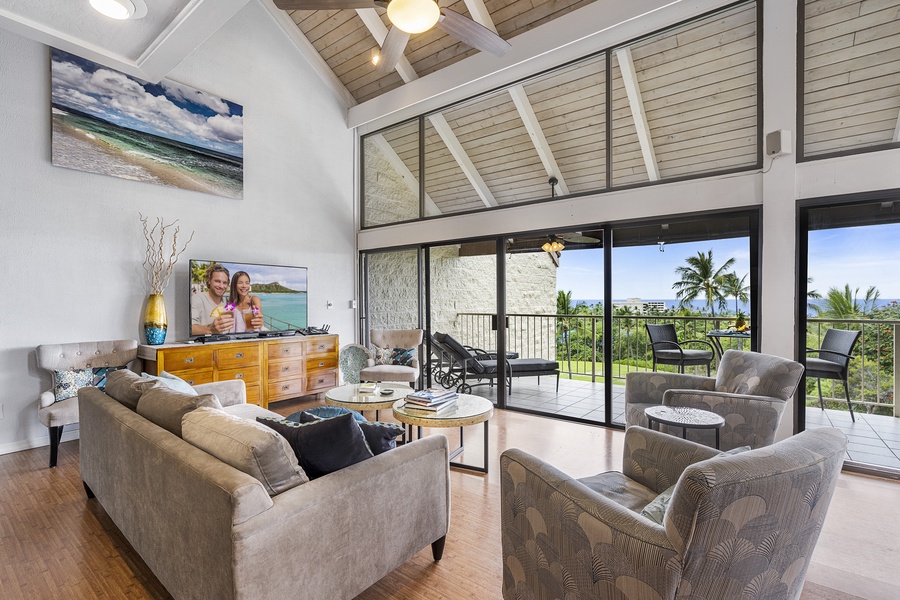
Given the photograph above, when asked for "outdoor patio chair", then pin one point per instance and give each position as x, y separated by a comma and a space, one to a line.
750, 390
667, 350
833, 361
461, 364
680, 520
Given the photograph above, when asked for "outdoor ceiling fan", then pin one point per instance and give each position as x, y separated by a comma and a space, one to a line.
408, 17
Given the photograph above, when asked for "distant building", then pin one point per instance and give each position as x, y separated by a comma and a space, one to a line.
638, 306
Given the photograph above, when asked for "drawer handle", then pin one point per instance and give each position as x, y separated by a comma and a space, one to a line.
321, 346
239, 376
285, 368
285, 350
321, 381
189, 360
285, 388
190, 382
321, 364
239, 355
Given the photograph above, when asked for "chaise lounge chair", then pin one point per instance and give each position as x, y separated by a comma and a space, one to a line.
459, 365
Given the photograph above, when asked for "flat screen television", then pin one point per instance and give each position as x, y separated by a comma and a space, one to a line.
280, 293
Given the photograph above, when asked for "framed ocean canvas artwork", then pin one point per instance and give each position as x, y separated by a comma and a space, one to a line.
107, 122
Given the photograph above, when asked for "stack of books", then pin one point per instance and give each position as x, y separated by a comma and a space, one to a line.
431, 399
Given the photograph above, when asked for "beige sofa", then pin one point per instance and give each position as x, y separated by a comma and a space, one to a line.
208, 530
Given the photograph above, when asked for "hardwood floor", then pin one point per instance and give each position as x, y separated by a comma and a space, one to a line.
54, 543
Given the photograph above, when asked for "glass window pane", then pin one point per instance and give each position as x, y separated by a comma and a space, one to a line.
391, 175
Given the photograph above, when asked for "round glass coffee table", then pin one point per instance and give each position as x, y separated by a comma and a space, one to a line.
468, 410
349, 396
684, 417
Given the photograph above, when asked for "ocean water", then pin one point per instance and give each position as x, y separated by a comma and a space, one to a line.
701, 305
89, 144
290, 310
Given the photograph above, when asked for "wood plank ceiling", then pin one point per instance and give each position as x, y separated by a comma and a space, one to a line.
347, 44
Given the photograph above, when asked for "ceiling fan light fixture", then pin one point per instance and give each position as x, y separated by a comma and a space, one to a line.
413, 16
120, 9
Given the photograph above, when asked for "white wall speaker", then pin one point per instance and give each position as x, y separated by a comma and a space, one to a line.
778, 142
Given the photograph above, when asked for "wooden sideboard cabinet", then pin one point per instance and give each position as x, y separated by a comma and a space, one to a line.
272, 369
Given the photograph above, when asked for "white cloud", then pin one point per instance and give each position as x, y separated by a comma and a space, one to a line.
188, 94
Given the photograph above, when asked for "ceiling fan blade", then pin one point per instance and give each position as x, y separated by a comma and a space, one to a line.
324, 4
472, 33
391, 50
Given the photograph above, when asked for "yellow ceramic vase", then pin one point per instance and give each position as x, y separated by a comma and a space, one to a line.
155, 323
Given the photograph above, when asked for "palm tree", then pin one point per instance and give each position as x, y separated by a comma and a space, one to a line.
736, 288
844, 304
564, 307
701, 278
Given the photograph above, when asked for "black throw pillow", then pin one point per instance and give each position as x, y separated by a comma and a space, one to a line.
323, 447
381, 436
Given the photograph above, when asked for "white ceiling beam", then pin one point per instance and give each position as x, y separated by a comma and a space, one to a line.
480, 14
443, 129
310, 54
536, 132
431, 209
632, 88
376, 27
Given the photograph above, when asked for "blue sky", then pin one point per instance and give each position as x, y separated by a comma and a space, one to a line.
855, 255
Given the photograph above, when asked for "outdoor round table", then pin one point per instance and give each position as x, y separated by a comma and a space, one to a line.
684, 417
349, 396
468, 410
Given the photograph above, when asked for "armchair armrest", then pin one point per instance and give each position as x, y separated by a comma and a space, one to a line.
46, 399
656, 460
704, 342
229, 393
541, 506
817, 350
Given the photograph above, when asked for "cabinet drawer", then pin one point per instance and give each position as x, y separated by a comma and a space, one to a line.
195, 376
248, 374
321, 380
285, 369
321, 362
281, 350
187, 358
237, 356
321, 345
253, 395
286, 388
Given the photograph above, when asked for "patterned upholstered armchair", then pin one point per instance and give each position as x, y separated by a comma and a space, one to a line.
750, 390
736, 526
386, 341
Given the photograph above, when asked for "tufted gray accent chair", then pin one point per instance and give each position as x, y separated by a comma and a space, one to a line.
750, 391
394, 338
737, 526
84, 355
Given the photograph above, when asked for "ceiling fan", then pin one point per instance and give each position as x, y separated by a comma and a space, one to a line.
408, 17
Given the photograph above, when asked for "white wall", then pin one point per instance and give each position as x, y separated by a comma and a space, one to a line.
71, 244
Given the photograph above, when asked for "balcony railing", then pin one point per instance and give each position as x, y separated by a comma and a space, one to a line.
576, 342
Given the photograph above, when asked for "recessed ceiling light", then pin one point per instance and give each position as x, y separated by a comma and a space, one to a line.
120, 9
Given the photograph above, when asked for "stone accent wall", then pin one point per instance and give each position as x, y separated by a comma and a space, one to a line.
467, 284
388, 199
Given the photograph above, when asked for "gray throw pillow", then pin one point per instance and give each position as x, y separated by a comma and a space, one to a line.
246, 445
656, 509
166, 407
172, 382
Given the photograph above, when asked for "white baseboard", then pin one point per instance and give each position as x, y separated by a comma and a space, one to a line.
36, 442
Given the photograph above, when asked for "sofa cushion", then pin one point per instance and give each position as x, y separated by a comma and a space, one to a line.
246, 445
381, 436
166, 407
172, 382
323, 446
127, 387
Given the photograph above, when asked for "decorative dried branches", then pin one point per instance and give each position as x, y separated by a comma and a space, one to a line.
159, 261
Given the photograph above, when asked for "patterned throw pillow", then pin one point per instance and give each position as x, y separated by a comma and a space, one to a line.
656, 509
68, 382
383, 356
403, 356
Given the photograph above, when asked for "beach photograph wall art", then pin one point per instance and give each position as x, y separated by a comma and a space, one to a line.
166, 133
